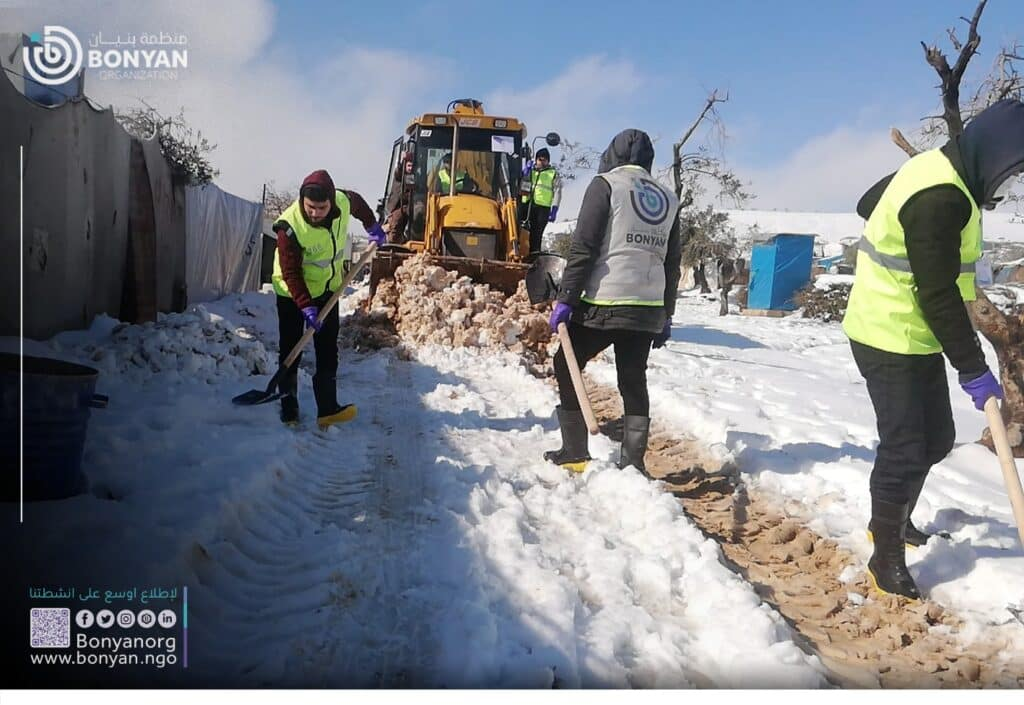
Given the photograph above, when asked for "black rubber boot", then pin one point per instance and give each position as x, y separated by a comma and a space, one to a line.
635, 431
290, 399
888, 566
916, 537
574, 451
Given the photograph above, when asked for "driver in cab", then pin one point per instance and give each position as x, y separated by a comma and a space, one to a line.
443, 182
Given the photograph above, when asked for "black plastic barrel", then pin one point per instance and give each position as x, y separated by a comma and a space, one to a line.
58, 396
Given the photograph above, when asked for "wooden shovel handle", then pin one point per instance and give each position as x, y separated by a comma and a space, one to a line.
1006, 461
577, 380
326, 310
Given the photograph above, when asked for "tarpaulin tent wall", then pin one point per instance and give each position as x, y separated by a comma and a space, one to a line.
225, 243
778, 269
104, 228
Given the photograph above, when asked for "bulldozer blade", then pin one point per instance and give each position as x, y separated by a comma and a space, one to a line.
503, 276
544, 277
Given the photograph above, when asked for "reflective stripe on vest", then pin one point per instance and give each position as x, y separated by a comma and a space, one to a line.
898, 264
883, 310
630, 267
323, 250
543, 187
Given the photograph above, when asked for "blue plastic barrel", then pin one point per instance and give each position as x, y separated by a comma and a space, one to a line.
58, 396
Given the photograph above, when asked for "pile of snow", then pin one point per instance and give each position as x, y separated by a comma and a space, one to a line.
430, 305
198, 346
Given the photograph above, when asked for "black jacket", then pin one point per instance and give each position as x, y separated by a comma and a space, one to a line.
628, 147
990, 150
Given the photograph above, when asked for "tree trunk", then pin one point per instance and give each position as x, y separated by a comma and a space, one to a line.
699, 277
1006, 333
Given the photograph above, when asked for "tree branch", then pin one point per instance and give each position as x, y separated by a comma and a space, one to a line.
677, 148
902, 142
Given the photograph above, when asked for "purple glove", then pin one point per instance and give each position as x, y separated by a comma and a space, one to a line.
981, 388
310, 313
560, 314
376, 235
662, 337
527, 168
553, 214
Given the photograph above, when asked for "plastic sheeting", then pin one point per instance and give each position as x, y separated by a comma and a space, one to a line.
224, 241
778, 270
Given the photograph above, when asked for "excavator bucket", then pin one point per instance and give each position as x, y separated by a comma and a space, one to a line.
544, 276
501, 276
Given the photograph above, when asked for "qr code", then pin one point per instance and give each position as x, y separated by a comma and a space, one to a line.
50, 627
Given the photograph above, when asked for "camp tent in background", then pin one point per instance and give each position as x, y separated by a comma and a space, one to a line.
778, 269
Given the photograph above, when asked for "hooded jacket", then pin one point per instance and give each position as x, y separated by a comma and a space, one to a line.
990, 150
628, 147
289, 251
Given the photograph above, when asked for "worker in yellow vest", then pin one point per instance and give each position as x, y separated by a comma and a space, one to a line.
313, 253
915, 269
542, 192
463, 181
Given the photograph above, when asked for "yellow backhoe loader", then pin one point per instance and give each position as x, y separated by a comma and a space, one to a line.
453, 191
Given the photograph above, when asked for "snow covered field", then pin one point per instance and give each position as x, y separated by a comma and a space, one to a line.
427, 543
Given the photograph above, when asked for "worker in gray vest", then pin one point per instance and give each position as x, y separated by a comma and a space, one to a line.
618, 288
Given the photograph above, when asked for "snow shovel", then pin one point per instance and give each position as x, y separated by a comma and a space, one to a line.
273, 391
542, 280
1010, 477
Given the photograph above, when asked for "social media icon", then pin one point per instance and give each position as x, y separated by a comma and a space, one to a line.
167, 618
126, 619
146, 618
85, 618
105, 619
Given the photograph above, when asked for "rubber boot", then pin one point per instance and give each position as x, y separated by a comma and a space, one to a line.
887, 566
915, 537
574, 453
290, 398
341, 414
328, 411
325, 391
635, 431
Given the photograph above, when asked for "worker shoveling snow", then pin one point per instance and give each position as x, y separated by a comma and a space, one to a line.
426, 304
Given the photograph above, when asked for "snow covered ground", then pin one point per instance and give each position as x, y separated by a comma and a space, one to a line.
427, 543
785, 397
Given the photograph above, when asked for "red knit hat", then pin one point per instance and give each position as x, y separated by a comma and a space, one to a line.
318, 186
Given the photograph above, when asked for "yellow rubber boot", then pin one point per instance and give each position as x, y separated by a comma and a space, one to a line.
342, 415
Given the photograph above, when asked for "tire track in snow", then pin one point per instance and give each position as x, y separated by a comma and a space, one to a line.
295, 582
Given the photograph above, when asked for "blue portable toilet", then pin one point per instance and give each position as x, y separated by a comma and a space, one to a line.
778, 269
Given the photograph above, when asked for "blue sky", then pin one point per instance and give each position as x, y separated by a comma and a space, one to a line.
284, 88
792, 67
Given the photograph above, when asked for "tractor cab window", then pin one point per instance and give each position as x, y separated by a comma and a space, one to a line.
491, 173
485, 165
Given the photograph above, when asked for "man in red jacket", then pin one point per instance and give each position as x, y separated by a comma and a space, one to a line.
312, 256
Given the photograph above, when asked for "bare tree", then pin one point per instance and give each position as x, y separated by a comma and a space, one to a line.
1004, 329
705, 235
276, 200
575, 157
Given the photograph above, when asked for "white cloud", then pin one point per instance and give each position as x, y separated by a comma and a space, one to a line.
828, 172
590, 101
582, 101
